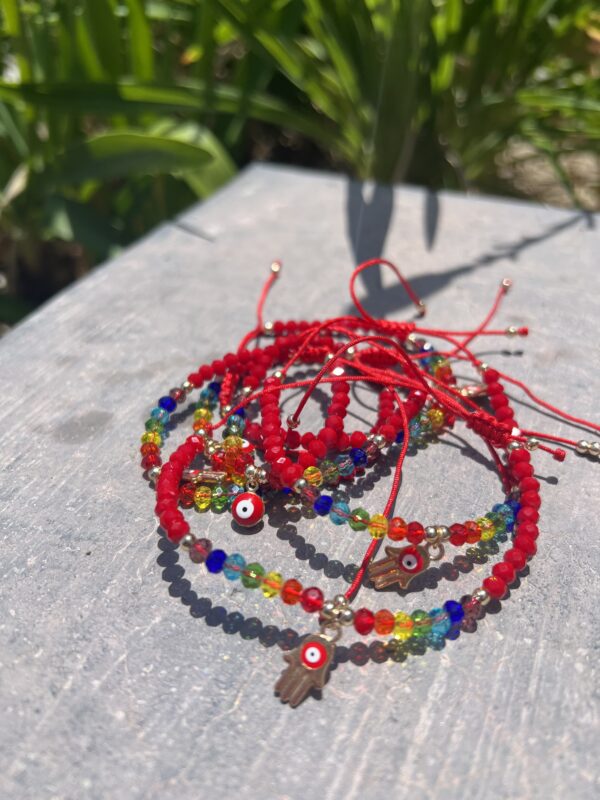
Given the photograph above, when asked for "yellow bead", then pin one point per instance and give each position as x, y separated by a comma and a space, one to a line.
202, 497
403, 626
436, 418
233, 443
487, 528
378, 526
203, 413
237, 478
313, 476
271, 584
152, 437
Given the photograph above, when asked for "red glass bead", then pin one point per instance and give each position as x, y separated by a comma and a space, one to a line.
491, 376
343, 442
498, 401
504, 414
358, 439
364, 621
150, 461
516, 557
529, 529
177, 529
388, 432
495, 587
530, 499
472, 607
519, 455
307, 460
416, 532
312, 599
473, 531
317, 448
526, 544
328, 436
291, 592
458, 534
527, 514
522, 469
529, 484
186, 495
504, 571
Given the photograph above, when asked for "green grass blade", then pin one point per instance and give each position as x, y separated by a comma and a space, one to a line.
140, 42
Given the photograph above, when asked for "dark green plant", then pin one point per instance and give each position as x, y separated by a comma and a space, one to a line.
116, 114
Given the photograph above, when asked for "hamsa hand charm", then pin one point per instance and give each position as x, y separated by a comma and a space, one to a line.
308, 667
400, 566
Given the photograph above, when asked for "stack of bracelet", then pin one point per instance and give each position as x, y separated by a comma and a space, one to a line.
258, 458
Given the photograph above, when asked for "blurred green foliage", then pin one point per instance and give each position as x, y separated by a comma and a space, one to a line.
116, 115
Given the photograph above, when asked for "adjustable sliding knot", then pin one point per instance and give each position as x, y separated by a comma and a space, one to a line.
486, 426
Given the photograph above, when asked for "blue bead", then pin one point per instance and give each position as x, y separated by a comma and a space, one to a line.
515, 505
233, 566
215, 560
454, 632
215, 386
322, 505
504, 509
208, 398
454, 610
167, 403
241, 412
358, 456
436, 641
440, 621
339, 513
400, 437
160, 414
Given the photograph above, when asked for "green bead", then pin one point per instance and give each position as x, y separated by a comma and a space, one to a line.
498, 520
252, 576
359, 519
154, 425
330, 472
219, 499
421, 623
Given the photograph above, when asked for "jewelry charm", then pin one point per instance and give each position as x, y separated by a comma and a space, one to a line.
248, 509
308, 667
400, 566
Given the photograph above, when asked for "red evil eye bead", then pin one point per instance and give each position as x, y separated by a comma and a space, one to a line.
313, 655
247, 509
410, 560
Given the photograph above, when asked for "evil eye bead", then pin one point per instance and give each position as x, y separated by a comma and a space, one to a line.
248, 509
410, 560
313, 655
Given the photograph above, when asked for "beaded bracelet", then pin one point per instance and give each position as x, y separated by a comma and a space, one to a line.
308, 664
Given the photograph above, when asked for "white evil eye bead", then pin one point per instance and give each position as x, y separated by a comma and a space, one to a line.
247, 447
313, 655
411, 560
248, 509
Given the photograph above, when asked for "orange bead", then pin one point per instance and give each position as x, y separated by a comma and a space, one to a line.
473, 532
149, 449
384, 622
397, 529
291, 592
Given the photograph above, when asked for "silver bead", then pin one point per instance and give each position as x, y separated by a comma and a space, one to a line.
583, 447
350, 352
431, 533
188, 540
443, 532
300, 485
278, 374
506, 284
512, 445
594, 450
340, 600
251, 471
247, 391
346, 616
292, 423
512, 331
380, 440
275, 267
261, 474
187, 387
329, 356
226, 410
482, 596
153, 474
328, 609
268, 327
532, 443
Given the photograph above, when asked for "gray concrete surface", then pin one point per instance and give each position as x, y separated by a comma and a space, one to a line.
126, 674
